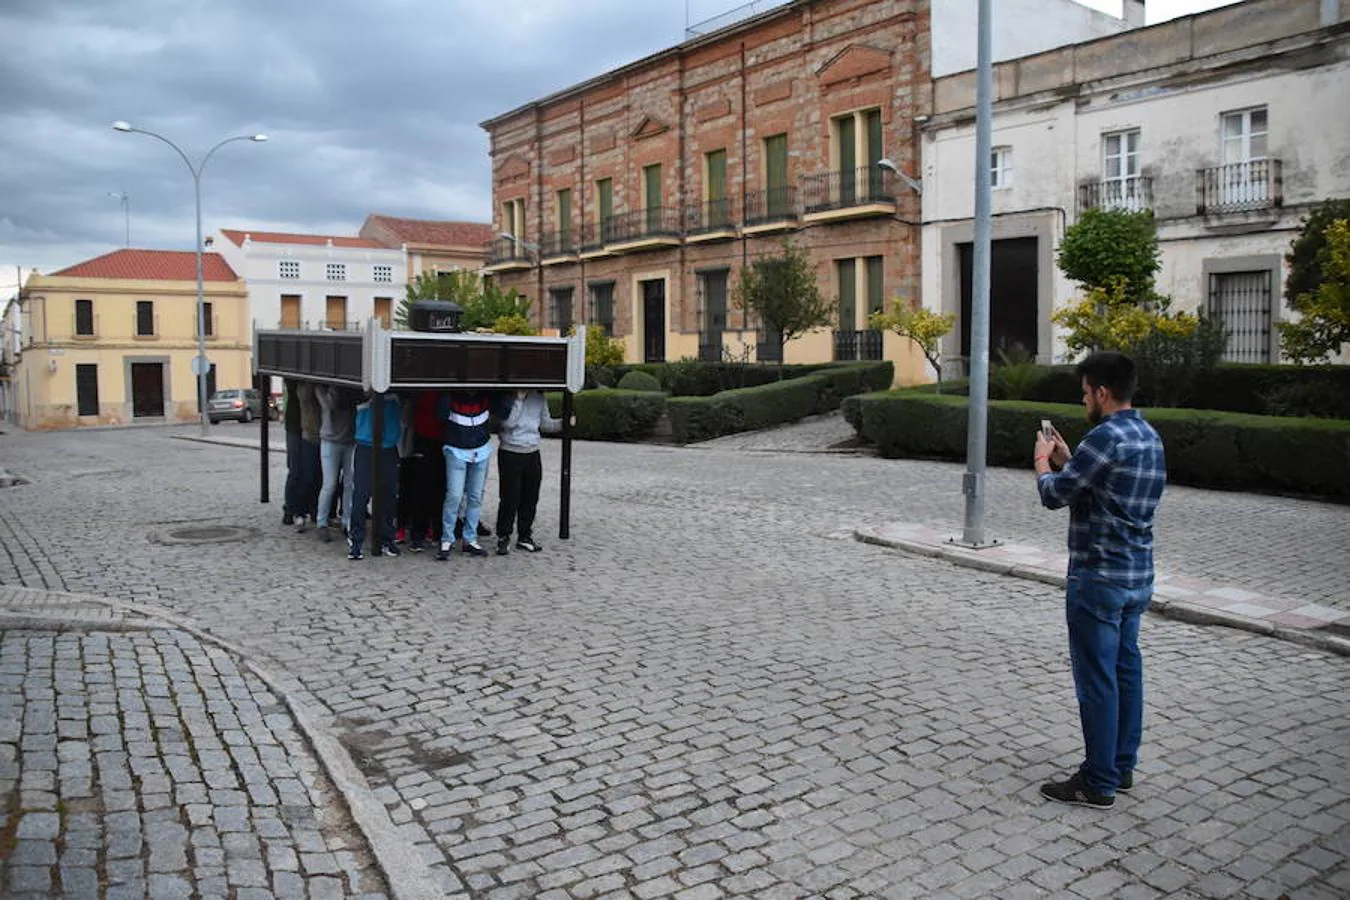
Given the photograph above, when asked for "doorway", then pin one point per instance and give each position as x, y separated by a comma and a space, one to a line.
654, 321
147, 390
1014, 301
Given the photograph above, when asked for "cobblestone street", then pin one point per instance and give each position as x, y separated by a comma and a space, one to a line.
711, 691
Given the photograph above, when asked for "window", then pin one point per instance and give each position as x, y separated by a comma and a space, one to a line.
604, 207
383, 274
651, 196
565, 219
336, 271
86, 388
1244, 135
868, 274
513, 219
876, 283
384, 307
145, 318
336, 313
560, 308
290, 310
846, 272
84, 318
288, 268
777, 200
208, 322
1242, 300
1120, 171
1000, 173
602, 306
715, 188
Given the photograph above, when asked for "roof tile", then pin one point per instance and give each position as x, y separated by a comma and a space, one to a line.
152, 265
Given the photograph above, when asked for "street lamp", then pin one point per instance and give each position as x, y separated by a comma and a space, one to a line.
519, 242
915, 185
126, 209
199, 365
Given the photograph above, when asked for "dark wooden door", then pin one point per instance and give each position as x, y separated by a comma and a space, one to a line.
86, 389
147, 390
1014, 303
654, 321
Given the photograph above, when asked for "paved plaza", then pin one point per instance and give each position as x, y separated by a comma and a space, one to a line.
711, 691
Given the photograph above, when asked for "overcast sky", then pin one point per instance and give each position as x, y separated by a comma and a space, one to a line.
370, 106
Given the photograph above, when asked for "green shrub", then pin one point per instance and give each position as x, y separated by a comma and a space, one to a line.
612, 415
1204, 448
639, 381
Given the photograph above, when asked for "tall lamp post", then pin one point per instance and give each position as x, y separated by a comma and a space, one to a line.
199, 365
125, 198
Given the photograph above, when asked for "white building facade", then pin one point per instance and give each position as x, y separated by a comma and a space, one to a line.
315, 281
1229, 125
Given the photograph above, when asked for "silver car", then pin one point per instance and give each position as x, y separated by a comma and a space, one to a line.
239, 404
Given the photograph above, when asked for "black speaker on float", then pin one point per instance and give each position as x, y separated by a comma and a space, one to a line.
439, 316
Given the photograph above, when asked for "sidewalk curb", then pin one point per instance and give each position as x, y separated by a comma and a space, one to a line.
1168, 607
238, 443
406, 874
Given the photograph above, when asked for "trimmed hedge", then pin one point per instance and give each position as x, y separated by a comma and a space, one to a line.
613, 415
1232, 451
702, 418
694, 378
639, 381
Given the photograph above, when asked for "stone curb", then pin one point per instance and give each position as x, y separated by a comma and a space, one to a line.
1172, 608
406, 874
239, 443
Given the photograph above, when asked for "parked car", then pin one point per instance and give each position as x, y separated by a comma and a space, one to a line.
240, 404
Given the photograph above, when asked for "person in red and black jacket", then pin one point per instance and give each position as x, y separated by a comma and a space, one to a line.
468, 451
424, 489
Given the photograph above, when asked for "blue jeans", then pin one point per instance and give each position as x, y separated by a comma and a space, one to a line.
337, 459
1108, 674
463, 484
382, 532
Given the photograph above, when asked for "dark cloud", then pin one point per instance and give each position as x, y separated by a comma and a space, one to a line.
369, 107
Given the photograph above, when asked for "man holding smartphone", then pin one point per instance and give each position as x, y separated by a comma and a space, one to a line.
1112, 484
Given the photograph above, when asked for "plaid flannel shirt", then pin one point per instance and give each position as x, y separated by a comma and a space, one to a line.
1112, 485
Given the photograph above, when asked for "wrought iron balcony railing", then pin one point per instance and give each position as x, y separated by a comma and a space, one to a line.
1237, 187
771, 205
558, 243
1133, 194
847, 189
504, 250
656, 222
714, 215
857, 345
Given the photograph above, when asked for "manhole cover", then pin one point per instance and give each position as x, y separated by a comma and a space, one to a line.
206, 534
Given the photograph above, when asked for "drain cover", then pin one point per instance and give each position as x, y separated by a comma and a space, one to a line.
206, 534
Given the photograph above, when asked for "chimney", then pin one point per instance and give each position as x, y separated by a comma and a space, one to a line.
1133, 13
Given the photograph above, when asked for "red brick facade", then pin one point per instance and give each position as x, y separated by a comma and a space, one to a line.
793, 70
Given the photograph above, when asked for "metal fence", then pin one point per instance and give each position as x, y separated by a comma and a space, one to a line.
857, 345
1242, 301
1133, 194
1257, 184
847, 188
778, 204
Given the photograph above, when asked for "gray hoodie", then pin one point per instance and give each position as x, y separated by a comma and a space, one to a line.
527, 417
339, 414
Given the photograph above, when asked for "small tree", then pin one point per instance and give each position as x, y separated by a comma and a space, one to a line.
921, 325
1324, 323
483, 303
1306, 253
1104, 246
782, 293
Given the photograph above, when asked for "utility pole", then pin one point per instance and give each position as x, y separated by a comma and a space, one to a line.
977, 424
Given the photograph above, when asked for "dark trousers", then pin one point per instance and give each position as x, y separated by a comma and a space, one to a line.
521, 475
311, 479
425, 488
361, 484
291, 501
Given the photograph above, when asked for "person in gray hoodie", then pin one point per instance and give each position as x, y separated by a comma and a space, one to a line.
524, 415
337, 452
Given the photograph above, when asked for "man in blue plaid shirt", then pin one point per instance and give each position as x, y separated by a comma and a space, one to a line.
1112, 484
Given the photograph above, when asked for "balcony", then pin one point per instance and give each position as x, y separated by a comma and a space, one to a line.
644, 229
592, 244
1134, 194
557, 247
1239, 187
857, 345
709, 221
848, 194
339, 325
772, 209
506, 255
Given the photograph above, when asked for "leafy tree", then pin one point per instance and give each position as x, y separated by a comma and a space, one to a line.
782, 292
1105, 246
513, 325
1306, 254
601, 349
483, 303
1324, 323
921, 325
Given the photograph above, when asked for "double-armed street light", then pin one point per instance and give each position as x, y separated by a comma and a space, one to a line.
199, 365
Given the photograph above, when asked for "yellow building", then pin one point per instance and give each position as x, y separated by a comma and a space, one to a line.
110, 341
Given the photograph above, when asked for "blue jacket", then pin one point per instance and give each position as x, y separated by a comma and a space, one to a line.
392, 422
465, 414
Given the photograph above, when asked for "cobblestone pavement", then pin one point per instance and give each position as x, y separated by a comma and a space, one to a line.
713, 691
141, 763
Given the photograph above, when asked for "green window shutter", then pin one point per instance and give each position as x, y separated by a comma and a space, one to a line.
848, 144
875, 151
565, 218
876, 284
775, 161
651, 177
717, 188
604, 196
848, 294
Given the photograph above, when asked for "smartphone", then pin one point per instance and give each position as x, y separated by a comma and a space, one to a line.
1047, 430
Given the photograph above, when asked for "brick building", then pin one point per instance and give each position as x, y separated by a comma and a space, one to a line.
632, 200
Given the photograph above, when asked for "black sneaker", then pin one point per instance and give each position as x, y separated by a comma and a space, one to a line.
287, 519
354, 551
1076, 791
302, 524
416, 545
443, 552
528, 545
484, 531
473, 548
1126, 783
503, 546
392, 550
